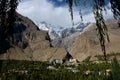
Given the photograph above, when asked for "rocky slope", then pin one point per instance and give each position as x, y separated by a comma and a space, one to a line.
62, 37
87, 44
69, 35
30, 43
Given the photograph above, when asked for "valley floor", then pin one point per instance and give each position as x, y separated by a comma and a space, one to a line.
34, 70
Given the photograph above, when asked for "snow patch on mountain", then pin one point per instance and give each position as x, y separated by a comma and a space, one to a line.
44, 26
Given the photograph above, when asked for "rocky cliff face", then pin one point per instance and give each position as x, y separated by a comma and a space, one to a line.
87, 44
30, 43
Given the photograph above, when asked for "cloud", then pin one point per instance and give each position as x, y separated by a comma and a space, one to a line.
108, 14
60, 0
43, 10
88, 15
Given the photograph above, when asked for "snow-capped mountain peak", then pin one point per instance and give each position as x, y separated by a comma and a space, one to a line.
44, 26
61, 31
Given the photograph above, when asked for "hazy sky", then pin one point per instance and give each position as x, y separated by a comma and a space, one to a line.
55, 12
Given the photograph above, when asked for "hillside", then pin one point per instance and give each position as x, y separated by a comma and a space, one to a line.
30, 43
87, 44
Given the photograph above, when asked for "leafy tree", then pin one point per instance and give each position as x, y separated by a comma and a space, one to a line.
7, 18
98, 6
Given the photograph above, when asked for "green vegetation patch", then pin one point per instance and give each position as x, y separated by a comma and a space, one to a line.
35, 70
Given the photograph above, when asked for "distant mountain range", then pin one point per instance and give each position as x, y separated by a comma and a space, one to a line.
63, 32
81, 40
63, 36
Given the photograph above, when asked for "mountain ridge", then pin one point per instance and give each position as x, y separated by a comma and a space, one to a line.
31, 43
